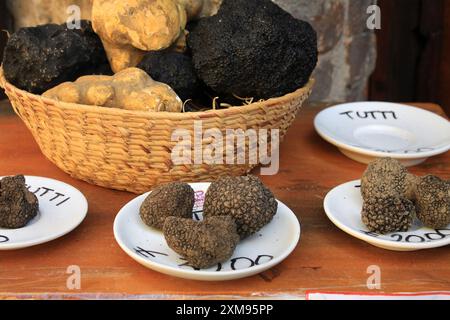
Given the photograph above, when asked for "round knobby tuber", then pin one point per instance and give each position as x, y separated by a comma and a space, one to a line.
387, 214
203, 244
174, 69
17, 205
433, 202
245, 199
168, 200
253, 48
387, 177
38, 58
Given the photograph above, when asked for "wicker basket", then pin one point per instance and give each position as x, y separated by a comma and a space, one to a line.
131, 150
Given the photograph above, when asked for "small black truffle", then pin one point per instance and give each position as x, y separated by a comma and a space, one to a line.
387, 177
246, 199
167, 200
433, 202
175, 69
17, 205
388, 214
253, 48
203, 244
38, 58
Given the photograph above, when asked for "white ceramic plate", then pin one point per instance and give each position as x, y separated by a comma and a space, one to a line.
61, 209
265, 249
343, 207
364, 131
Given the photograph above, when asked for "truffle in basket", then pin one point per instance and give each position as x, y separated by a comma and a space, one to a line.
174, 69
38, 58
129, 28
253, 48
130, 89
196, 9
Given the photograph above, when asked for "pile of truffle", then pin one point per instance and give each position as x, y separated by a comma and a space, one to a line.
234, 209
18, 206
191, 50
393, 198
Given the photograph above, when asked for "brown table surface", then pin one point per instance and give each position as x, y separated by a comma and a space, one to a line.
326, 258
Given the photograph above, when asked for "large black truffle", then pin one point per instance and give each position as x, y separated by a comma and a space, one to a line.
253, 48
17, 205
203, 244
175, 69
245, 199
167, 200
38, 58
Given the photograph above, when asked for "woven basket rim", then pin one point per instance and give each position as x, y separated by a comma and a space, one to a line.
158, 115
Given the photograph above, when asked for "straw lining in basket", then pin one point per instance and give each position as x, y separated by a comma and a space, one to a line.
131, 150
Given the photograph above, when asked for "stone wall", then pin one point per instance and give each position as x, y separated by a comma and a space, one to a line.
347, 48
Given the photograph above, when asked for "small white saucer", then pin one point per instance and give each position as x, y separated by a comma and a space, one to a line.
268, 247
343, 207
61, 209
364, 131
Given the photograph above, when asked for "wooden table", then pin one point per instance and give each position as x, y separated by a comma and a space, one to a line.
326, 258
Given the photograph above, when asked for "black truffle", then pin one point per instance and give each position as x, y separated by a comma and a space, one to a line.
433, 202
172, 199
17, 205
387, 177
253, 48
38, 58
387, 214
202, 244
245, 199
175, 69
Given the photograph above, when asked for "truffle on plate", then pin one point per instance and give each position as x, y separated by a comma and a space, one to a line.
387, 214
174, 69
203, 244
433, 202
130, 89
387, 177
38, 58
245, 199
17, 205
253, 49
174, 199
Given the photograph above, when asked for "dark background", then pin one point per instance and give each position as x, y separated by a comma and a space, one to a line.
413, 51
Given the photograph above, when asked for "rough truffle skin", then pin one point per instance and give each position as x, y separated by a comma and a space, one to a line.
388, 214
203, 244
245, 199
38, 58
172, 199
253, 48
387, 177
17, 205
173, 68
433, 202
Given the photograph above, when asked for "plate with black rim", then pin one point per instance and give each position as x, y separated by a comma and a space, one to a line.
343, 207
61, 209
364, 131
255, 254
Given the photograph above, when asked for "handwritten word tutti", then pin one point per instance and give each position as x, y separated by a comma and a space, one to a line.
52, 195
374, 115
